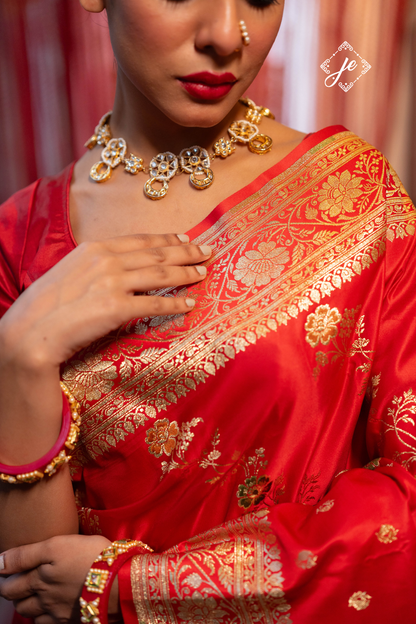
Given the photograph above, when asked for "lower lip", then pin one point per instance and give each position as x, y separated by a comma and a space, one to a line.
207, 92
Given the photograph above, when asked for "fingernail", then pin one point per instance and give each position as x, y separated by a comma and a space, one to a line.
2, 562
206, 250
190, 303
184, 238
201, 270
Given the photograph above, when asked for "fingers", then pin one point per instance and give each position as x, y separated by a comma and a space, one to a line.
142, 307
133, 242
24, 558
20, 586
169, 255
31, 608
161, 276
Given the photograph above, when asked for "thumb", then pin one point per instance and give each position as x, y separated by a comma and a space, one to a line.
23, 558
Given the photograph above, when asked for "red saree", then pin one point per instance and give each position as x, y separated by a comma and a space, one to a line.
263, 445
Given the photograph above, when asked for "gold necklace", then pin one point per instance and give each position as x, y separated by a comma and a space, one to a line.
193, 160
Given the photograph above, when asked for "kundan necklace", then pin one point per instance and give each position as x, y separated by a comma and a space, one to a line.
193, 160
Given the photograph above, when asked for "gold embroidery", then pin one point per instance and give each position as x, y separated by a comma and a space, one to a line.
337, 195
399, 416
231, 573
184, 438
374, 386
196, 608
321, 325
326, 506
358, 346
89, 522
359, 600
91, 378
340, 340
161, 438
387, 534
258, 267
323, 254
209, 460
308, 486
306, 560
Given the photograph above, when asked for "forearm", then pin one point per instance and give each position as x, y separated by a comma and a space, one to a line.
30, 422
37, 512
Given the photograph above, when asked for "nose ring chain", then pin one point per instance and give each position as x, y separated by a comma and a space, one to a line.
244, 33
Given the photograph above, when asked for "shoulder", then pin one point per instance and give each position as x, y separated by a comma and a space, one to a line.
27, 219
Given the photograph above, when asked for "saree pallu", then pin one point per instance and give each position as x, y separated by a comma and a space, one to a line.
264, 445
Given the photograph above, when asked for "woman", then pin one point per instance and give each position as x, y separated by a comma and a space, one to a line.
264, 358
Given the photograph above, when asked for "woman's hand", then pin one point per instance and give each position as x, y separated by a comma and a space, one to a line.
47, 578
86, 295
91, 292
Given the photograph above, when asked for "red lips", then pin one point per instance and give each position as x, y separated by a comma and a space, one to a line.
208, 86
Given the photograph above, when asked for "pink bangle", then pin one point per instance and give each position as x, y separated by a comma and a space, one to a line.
101, 576
56, 457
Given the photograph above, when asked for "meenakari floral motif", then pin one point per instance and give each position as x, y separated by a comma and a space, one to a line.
387, 534
162, 437
306, 560
321, 325
253, 491
338, 194
255, 487
259, 266
359, 600
232, 573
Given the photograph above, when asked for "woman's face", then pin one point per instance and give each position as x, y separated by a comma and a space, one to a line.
161, 44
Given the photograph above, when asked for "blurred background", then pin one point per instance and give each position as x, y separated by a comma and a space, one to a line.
57, 77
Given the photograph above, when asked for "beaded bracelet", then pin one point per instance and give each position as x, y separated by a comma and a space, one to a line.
56, 457
101, 576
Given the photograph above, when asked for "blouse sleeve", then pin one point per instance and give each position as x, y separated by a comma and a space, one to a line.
352, 557
14, 219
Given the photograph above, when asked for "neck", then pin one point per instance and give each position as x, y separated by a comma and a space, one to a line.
148, 131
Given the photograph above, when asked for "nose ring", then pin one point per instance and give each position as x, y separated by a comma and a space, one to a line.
244, 33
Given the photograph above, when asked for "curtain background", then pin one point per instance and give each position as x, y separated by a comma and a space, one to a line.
57, 77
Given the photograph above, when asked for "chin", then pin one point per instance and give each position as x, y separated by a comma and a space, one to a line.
208, 114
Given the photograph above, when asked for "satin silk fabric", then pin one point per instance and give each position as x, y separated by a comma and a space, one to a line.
217, 437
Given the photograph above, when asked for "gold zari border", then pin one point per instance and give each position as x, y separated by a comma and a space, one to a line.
328, 250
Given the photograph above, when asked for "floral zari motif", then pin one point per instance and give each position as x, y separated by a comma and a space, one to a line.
326, 325
229, 574
400, 421
282, 251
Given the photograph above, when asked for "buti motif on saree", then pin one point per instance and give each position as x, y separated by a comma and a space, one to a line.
280, 252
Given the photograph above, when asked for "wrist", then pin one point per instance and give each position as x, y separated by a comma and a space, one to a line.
30, 410
99, 590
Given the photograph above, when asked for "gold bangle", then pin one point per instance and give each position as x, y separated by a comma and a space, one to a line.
57, 456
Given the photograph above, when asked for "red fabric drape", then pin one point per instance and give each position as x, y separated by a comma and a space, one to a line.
57, 77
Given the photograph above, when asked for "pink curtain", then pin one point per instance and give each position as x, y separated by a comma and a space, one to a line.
57, 77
